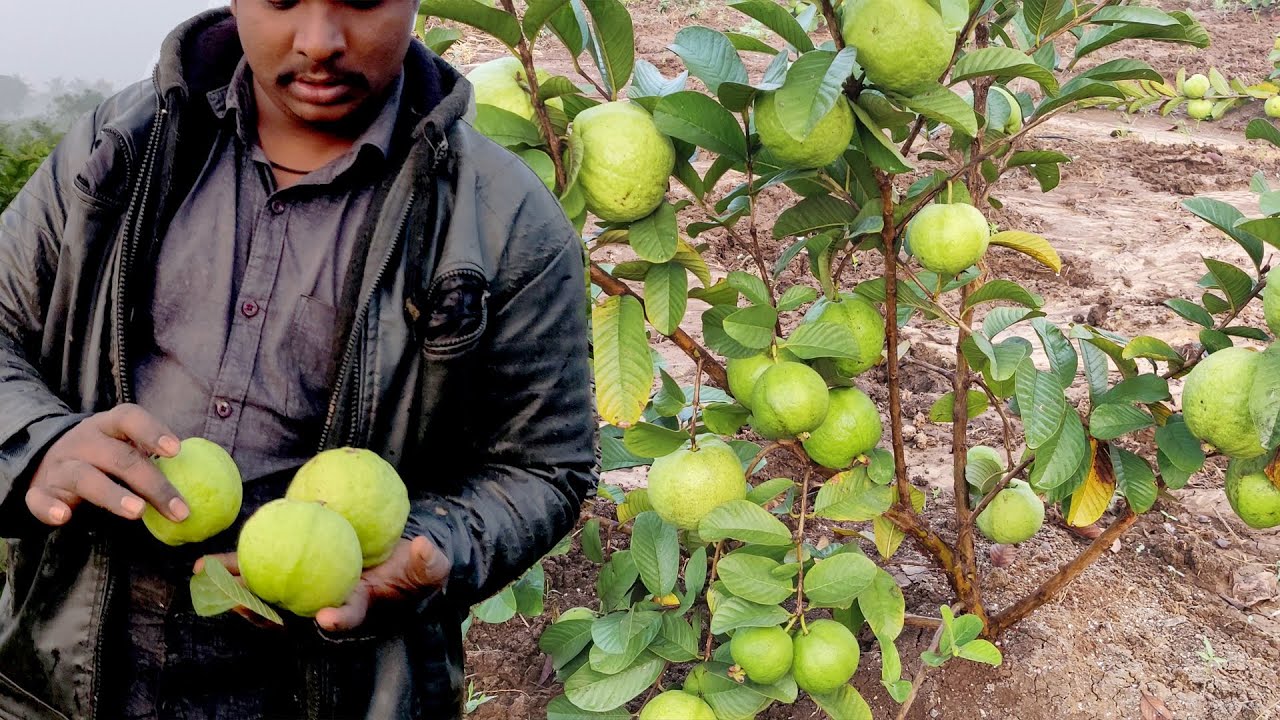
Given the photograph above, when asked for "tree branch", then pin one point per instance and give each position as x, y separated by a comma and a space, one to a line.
539, 107
891, 334
1004, 482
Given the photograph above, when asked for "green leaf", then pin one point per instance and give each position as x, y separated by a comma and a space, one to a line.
666, 296
670, 400
530, 590
1095, 368
537, 14
1108, 422
880, 148
749, 577
656, 236
624, 372
751, 287
206, 598
981, 651
728, 699
822, 339
612, 42
1260, 129
1063, 360
999, 319
505, 127
795, 297
700, 120
563, 640
1176, 443
616, 579
1031, 245
1080, 88
745, 521
944, 409
884, 606
1186, 31
734, 613
1003, 290
1152, 348
888, 536
725, 418
814, 213
1143, 388
942, 105
1003, 64
1132, 15
1134, 479
750, 43
440, 39
655, 548
687, 256
570, 27
837, 580
813, 86
592, 546
720, 293
716, 336
1264, 397
561, 708
777, 19
677, 642
710, 57
220, 580
1232, 280
769, 489
1224, 217
498, 608
500, 24
1062, 459
595, 691
653, 441
614, 632
1041, 402
1040, 16
648, 81
1190, 311
752, 326
844, 703
851, 496
982, 471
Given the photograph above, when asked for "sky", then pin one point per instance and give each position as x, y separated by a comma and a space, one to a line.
113, 40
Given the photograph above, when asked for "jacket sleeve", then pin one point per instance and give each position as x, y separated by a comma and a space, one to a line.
31, 414
536, 445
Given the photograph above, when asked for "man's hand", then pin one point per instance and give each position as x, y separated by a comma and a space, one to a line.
105, 460
414, 568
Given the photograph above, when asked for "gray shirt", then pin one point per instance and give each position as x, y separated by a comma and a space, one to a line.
248, 277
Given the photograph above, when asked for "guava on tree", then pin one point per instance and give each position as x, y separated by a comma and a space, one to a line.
948, 238
1215, 402
744, 372
827, 141
1196, 86
362, 487
1272, 106
299, 555
790, 398
501, 83
825, 658
685, 485
861, 317
673, 704
851, 428
625, 160
209, 482
1015, 515
1199, 109
763, 653
1253, 496
902, 45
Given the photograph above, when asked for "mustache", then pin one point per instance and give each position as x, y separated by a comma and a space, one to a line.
334, 76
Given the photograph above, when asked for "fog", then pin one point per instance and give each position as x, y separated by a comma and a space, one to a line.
83, 43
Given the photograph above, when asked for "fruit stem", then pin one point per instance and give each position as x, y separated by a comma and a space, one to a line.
715, 371
539, 107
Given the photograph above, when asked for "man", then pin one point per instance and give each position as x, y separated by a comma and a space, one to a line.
289, 239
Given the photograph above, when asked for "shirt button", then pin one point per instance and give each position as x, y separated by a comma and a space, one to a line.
223, 408
277, 207
249, 308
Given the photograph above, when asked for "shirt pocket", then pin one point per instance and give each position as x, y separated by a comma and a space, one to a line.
310, 346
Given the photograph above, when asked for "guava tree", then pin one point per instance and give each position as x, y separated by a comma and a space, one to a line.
888, 125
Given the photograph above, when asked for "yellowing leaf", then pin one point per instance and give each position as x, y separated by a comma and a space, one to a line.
1093, 496
1031, 245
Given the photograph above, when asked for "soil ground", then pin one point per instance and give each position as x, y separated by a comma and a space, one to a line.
1131, 637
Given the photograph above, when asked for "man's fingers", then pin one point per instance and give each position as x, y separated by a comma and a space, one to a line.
46, 508
350, 615
132, 423
428, 567
93, 486
135, 469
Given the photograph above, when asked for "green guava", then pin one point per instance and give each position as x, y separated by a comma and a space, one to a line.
863, 320
501, 83
1196, 86
1014, 516
687, 484
948, 239
625, 160
363, 488
1252, 495
299, 555
763, 653
1199, 109
902, 45
1271, 298
209, 482
852, 428
789, 398
827, 141
1272, 106
824, 659
1215, 402
743, 373
676, 705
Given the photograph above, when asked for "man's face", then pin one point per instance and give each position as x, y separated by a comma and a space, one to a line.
321, 61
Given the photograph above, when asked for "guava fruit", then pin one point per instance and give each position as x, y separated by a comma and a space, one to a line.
1196, 86
763, 653
827, 141
824, 659
1014, 516
209, 482
1252, 495
299, 555
500, 83
948, 239
1271, 298
743, 373
863, 320
1215, 402
1272, 106
902, 45
851, 428
687, 484
361, 487
676, 705
789, 398
625, 160
1199, 109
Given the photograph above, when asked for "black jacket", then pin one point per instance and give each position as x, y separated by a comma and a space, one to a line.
467, 366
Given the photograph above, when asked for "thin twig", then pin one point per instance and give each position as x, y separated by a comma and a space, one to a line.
711, 578
804, 510
1004, 416
1004, 482
539, 107
833, 24
918, 680
693, 412
599, 88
